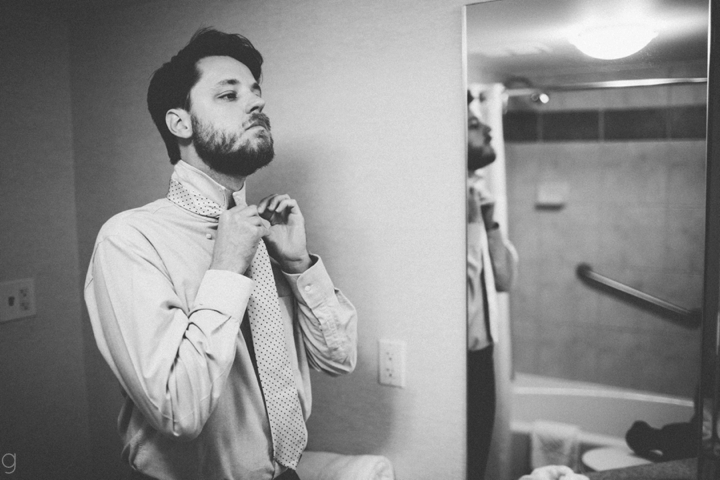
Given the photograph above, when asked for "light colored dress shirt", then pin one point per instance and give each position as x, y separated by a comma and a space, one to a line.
169, 329
491, 268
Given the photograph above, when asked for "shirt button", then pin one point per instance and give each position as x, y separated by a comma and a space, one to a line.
208, 236
307, 288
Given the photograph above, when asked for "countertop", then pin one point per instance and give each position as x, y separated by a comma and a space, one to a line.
675, 470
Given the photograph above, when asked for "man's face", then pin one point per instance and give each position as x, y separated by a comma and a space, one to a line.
230, 132
480, 151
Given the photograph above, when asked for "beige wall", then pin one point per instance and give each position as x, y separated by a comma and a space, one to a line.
43, 407
367, 104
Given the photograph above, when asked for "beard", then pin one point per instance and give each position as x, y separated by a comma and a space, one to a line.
222, 152
480, 156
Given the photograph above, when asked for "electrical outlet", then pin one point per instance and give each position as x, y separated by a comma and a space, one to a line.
17, 299
391, 362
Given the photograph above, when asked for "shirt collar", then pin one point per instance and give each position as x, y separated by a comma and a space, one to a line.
477, 176
197, 180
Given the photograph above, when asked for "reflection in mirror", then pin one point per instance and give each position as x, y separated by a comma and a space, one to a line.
599, 183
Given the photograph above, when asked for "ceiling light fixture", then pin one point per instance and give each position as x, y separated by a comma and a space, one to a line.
540, 97
614, 41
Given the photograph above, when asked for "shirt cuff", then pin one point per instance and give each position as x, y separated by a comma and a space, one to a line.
313, 286
224, 291
494, 233
475, 229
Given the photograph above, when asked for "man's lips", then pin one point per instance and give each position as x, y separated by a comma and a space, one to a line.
258, 121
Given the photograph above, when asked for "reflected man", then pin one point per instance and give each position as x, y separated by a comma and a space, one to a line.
209, 311
491, 267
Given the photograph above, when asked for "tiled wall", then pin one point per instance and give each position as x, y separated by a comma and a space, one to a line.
661, 123
634, 210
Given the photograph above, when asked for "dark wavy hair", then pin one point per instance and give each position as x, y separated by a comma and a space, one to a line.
171, 84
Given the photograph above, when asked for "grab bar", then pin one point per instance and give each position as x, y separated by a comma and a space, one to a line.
682, 316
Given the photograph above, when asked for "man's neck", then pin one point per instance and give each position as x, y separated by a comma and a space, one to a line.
231, 182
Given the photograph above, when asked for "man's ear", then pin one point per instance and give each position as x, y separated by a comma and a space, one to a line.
178, 122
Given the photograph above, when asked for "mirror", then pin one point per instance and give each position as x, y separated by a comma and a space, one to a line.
599, 183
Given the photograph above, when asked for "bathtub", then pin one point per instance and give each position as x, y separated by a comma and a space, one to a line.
604, 414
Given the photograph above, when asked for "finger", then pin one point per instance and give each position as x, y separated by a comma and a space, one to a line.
242, 215
275, 201
268, 203
265, 227
248, 211
287, 206
262, 205
256, 220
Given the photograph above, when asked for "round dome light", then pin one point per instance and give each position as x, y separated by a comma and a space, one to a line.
611, 42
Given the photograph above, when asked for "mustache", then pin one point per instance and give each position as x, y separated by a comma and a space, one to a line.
258, 119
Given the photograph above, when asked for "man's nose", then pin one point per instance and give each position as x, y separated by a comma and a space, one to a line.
256, 104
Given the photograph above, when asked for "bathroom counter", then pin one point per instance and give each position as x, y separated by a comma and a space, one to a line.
675, 470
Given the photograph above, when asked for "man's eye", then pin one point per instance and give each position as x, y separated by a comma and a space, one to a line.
229, 96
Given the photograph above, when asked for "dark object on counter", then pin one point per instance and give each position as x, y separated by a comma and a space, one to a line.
674, 441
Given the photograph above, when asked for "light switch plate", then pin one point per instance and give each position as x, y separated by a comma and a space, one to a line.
17, 299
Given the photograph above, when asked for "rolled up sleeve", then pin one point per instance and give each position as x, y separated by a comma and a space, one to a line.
504, 260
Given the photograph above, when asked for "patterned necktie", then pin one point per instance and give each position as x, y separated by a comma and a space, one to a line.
287, 424
490, 299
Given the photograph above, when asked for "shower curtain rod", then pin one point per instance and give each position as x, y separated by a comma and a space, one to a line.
647, 82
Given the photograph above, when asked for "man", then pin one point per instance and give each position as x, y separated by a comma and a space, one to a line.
210, 339
491, 266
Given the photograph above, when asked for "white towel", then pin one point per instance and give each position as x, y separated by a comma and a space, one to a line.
554, 443
554, 472
334, 466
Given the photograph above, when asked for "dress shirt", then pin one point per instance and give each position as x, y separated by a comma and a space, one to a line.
491, 268
169, 328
